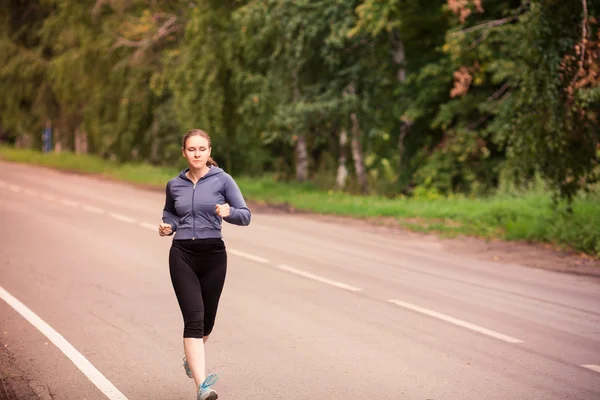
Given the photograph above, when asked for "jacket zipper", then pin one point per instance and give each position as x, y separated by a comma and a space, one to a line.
193, 218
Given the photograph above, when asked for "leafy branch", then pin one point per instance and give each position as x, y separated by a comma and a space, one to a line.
486, 25
584, 27
166, 29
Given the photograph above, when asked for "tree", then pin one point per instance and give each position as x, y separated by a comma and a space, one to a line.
27, 99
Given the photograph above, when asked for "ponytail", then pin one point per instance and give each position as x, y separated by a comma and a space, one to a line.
211, 163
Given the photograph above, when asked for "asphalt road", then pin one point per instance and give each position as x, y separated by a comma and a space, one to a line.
309, 310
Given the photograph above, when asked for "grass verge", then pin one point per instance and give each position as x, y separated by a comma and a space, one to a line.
527, 217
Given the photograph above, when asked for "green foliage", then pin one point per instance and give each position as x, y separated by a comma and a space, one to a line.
549, 132
26, 96
447, 97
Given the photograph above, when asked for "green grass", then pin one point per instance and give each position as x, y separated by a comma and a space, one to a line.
135, 173
526, 217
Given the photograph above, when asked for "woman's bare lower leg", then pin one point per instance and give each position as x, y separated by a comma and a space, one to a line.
194, 353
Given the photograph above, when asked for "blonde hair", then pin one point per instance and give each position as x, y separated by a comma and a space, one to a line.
199, 132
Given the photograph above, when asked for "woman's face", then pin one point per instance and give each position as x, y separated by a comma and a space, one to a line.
196, 151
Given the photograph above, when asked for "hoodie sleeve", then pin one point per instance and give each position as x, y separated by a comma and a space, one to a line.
239, 213
169, 213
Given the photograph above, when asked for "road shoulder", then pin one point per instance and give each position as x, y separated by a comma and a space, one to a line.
14, 384
525, 254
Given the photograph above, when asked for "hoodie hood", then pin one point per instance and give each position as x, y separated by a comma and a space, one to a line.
211, 171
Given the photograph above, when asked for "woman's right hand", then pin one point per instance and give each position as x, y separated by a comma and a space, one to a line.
164, 229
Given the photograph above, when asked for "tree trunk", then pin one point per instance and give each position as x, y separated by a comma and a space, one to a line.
81, 141
399, 56
154, 141
356, 146
24, 141
76, 140
228, 119
301, 158
301, 152
342, 171
404, 131
359, 165
58, 140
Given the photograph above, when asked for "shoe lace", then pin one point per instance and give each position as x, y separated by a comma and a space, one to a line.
209, 381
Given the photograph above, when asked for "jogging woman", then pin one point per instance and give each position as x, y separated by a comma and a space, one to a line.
197, 201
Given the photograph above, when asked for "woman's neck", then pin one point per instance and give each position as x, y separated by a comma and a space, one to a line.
194, 174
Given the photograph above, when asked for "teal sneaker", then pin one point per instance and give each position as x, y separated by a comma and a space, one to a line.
188, 371
205, 392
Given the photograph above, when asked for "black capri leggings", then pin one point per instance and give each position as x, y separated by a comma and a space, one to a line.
198, 268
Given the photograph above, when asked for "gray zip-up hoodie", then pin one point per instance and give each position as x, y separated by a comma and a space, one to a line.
190, 209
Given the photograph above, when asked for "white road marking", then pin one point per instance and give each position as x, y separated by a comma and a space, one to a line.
318, 278
69, 203
146, 225
248, 256
595, 368
122, 218
238, 253
110, 391
76, 357
93, 209
455, 321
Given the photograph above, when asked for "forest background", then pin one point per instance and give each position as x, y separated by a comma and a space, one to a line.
458, 116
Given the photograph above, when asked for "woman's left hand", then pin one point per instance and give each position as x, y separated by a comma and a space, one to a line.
222, 210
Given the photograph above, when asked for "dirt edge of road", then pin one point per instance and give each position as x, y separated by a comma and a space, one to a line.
13, 382
535, 255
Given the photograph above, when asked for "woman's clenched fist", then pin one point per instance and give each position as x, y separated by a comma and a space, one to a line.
222, 210
164, 229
